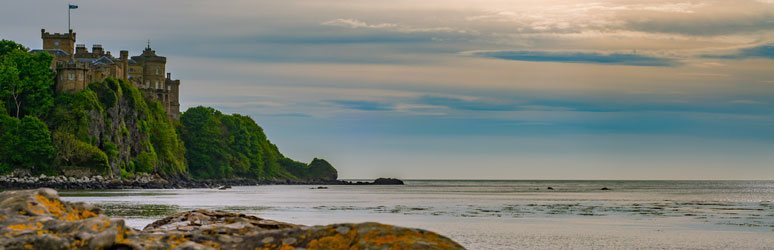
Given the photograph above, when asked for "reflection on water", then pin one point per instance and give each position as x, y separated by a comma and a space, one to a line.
574, 211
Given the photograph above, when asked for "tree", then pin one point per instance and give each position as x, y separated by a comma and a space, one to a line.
205, 141
8, 126
225, 146
26, 80
7, 46
321, 169
10, 86
34, 145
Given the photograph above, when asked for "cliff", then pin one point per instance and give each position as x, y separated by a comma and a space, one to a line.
227, 146
112, 129
38, 219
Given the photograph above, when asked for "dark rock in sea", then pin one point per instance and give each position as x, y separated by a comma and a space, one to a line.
550, 188
37, 219
322, 187
388, 181
605, 188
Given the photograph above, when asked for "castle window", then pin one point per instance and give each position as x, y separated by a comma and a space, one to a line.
157, 70
157, 84
131, 70
147, 83
56, 43
72, 76
169, 88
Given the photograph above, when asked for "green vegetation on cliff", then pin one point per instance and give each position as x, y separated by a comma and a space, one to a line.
227, 146
110, 128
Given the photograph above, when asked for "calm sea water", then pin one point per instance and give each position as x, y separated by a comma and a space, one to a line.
498, 214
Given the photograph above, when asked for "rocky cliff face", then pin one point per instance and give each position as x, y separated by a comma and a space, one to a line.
117, 128
111, 129
37, 219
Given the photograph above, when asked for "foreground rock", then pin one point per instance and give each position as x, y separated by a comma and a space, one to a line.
37, 219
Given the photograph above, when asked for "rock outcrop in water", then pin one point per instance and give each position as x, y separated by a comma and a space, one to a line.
388, 181
37, 219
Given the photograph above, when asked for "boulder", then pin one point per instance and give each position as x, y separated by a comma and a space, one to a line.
37, 219
387, 181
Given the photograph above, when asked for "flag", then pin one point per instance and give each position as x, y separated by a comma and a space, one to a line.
73, 6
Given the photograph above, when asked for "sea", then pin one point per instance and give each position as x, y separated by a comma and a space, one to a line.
495, 214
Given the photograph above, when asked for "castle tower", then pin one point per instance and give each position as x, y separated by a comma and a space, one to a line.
72, 76
173, 89
64, 42
124, 57
153, 69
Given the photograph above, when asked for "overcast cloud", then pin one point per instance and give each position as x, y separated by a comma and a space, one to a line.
466, 89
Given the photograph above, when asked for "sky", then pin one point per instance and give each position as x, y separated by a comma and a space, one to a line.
464, 89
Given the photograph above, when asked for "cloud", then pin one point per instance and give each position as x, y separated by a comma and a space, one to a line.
354, 23
298, 115
746, 102
362, 105
465, 104
763, 51
580, 57
244, 104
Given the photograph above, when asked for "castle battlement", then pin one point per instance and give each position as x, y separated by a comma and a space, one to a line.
64, 41
76, 68
58, 35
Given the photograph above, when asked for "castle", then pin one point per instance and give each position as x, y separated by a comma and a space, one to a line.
76, 67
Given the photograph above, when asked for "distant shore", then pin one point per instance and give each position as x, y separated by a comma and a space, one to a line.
154, 182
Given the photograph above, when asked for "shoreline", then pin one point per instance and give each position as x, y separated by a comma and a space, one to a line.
155, 182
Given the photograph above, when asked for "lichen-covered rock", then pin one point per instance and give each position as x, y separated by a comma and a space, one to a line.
216, 222
37, 219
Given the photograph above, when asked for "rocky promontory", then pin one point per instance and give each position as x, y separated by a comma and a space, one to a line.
38, 219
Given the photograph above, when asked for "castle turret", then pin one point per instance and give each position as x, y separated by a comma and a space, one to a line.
173, 92
153, 68
97, 50
80, 49
124, 57
72, 76
64, 42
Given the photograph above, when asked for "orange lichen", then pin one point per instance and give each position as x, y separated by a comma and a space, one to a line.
24, 227
406, 238
120, 236
287, 247
211, 244
59, 210
176, 240
330, 242
28, 246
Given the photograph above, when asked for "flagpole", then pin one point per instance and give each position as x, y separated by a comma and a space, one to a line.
68, 17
